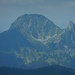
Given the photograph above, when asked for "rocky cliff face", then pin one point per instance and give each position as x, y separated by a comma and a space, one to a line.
68, 37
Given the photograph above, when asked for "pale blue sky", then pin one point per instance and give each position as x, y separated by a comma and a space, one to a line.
58, 11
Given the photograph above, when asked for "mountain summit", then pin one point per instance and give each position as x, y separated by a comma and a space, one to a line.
33, 41
68, 36
36, 26
71, 26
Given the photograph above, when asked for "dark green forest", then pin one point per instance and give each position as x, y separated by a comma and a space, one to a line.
50, 70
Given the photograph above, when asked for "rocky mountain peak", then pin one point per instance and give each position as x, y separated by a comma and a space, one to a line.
36, 26
71, 26
29, 20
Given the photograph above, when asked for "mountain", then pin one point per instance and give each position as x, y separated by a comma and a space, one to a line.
68, 37
33, 41
51, 70
67, 43
36, 27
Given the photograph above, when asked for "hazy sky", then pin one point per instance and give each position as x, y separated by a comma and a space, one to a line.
58, 11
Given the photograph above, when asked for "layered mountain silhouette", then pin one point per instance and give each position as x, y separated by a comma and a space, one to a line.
50, 70
33, 41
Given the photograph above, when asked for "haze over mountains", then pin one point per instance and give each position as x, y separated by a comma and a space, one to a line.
33, 41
